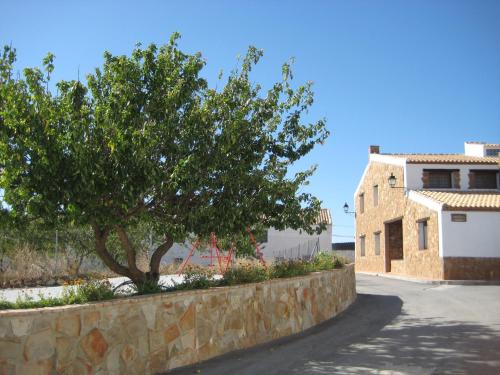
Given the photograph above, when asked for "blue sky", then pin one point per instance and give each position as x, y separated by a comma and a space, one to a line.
410, 76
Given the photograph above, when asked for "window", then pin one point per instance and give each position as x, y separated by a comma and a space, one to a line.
362, 245
375, 196
376, 240
438, 179
422, 235
459, 218
361, 203
492, 151
484, 179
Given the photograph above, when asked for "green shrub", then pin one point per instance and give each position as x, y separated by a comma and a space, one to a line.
245, 274
146, 287
327, 261
290, 268
323, 261
93, 290
338, 262
6, 305
195, 278
29, 303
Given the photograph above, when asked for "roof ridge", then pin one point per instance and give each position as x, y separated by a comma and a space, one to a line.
458, 191
423, 153
463, 199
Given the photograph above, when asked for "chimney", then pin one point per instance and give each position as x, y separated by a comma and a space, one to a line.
373, 149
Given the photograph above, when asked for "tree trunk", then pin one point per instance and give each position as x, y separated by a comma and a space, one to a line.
136, 273
101, 237
137, 276
154, 264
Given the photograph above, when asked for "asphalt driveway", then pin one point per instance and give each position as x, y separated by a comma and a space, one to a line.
394, 327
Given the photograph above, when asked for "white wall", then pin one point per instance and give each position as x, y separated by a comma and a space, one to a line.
474, 149
182, 251
478, 237
277, 240
414, 172
289, 238
386, 159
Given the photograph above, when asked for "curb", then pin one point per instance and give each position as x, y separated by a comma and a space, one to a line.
432, 282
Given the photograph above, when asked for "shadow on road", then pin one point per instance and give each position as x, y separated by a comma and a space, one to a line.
312, 349
373, 336
414, 346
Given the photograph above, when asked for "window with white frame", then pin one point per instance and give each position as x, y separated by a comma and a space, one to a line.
422, 235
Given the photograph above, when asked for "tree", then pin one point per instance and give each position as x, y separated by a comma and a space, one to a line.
145, 140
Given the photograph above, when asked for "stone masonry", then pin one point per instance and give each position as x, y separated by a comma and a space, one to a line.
151, 334
393, 206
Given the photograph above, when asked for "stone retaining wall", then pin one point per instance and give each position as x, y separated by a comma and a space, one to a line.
151, 334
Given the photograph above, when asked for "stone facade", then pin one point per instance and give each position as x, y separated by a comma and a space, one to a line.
468, 268
393, 214
151, 334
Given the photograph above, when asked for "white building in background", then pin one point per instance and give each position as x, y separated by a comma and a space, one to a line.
291, 243
287, 243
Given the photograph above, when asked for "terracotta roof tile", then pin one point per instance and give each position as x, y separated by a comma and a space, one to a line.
465, 200
446, 159
324, 217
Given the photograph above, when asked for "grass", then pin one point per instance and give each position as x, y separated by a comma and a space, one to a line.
93, 290
195, 278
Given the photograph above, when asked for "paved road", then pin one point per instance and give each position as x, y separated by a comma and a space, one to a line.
394, 327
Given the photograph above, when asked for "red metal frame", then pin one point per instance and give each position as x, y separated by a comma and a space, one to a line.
258, 252
223, 261
194, 246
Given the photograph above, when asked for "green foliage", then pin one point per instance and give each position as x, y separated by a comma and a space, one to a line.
6, 305
245, 274
29, 303
326, 261
290, 268
142, 288
93, 290
196, 278
323, 261
338, 262
145, 140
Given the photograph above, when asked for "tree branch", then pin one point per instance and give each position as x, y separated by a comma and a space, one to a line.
101, 236
130, 252
154, 264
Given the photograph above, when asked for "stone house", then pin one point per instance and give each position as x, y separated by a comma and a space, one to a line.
430, 216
